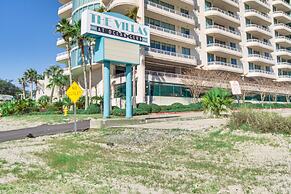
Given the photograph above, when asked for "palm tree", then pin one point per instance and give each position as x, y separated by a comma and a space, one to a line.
132, 14
102, 9
91, 44
31, 76
66, 30
22, 80
80, 39
54, 73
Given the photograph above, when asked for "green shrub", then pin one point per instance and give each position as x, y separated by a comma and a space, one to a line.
18, 107
118, 112
93, 109
58, 105
81, 103
145, 107
67, 102
139, 111
43, 101
216, 101
177, 106
265, 122
155, 108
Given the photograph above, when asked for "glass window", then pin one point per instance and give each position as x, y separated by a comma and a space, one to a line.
186, 51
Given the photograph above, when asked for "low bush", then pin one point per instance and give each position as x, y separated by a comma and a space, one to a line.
118, 112
139, 111
93, 109
43, 101
216, 101
155, 108
265, 122
145, 107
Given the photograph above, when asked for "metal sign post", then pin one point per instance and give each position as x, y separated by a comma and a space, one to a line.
75, 118
74, 93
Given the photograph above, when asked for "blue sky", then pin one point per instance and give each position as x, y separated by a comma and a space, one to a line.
27, 36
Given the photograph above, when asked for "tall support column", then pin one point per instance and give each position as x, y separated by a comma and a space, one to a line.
141, 79
128, 91
106, 88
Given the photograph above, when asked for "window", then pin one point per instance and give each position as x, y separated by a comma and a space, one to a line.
186, 51
164, 89
210, 57
233, 61
185, 31
184, 11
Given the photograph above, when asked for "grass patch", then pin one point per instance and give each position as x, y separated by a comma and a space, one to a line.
166, 160
264, 122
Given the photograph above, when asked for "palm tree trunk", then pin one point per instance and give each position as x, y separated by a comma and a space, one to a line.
52, 93
90, 72
69, 63
31, 90
85, 75
23, 90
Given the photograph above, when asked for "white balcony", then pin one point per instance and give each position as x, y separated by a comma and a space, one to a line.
170, 56
170, 13
220, 31
189, 2
224, 50
234, 3
285, 53
222, 66
172, 35
284, 78
282, 5
64, 1
122, 6
259, 44
283, 29
261, 5
283, 41
61, 43
65, 11
258, 30
261, 73
62, 58
220, 15
260, 59
283, 65
258, 17
282, 17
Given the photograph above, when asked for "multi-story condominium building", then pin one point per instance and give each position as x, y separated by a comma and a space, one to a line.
247, 39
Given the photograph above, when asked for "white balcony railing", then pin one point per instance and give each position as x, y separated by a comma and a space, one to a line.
259, 41
282, 12
65, 5
283, 50
170, 31
284, 76
258, 26
149, 49
223, 46
258, 12
261, 56
169, 10
62, 54
284, 63
283, 25
222, 28
222, 11
225, 64
261, 71
283, 37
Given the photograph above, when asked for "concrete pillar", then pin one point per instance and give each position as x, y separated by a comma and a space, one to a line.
140, 96
128, 91
107, 88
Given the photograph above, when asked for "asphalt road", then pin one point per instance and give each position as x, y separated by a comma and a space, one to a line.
43, 130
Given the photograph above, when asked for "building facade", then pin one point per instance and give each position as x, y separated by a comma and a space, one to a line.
248, 39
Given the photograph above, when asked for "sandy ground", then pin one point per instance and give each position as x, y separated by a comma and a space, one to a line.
8, 125
193, 125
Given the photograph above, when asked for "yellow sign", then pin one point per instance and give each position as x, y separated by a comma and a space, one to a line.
74, 92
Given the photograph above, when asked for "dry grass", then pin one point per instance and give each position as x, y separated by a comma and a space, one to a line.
148, 161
